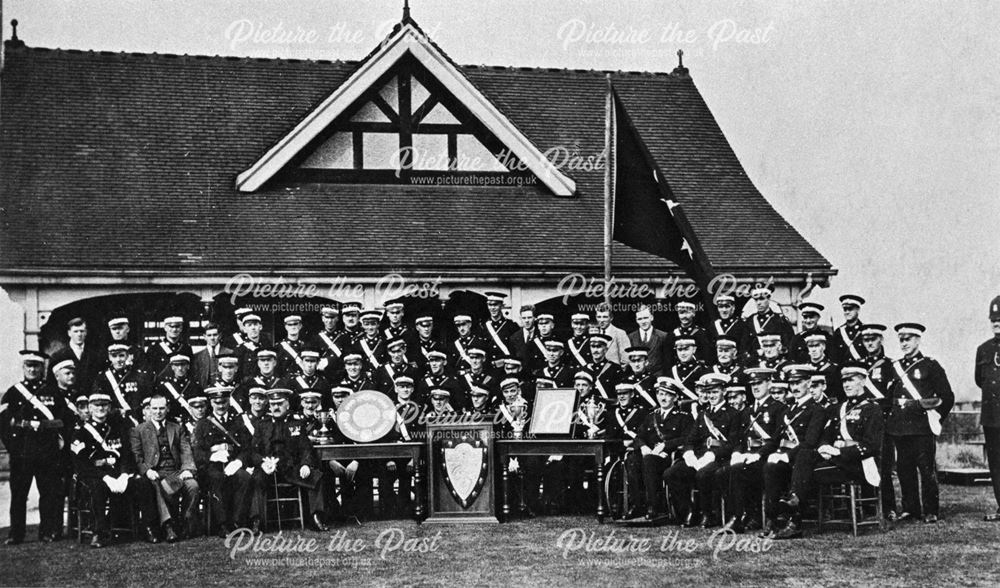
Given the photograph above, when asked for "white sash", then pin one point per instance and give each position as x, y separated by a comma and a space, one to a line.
370, 353
576, 352
248, 423
117, 389
291, 351
100, 440
849, 343
871, 387
720, 330
621, 421
868, 465
166, 349
506, 414
238, 338
760, 430
790, 429
645, 395
758, 328
496, 337
177, 396
329, 343
461, 352
933, 416
540, 345
402, 427
391, 372
34, 401
687, 391
713, 430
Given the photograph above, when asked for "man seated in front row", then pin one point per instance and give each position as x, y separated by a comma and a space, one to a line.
281, 448
162, 450
663, 433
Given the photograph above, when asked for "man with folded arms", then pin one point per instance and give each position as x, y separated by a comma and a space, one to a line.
162, 451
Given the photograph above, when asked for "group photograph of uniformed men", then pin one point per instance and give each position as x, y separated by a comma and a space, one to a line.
723, 427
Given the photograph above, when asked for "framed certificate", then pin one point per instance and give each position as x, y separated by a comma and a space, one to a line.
553, 411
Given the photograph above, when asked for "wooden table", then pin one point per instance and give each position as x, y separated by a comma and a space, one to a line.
384, 451
507, 448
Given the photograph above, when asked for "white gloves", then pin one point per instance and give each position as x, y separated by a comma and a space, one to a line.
232, 467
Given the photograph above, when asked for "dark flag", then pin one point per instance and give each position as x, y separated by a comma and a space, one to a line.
646, 214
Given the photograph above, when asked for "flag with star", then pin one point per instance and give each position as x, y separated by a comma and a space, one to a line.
647, 216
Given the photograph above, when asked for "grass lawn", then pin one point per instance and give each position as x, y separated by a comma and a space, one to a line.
960, 550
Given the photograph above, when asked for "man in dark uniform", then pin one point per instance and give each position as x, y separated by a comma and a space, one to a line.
126, 386
743, 479
459, 350
120, 329
622, 430
281, 447
772, 356
847, 335
800, 430
556, 369
848, 450
921, 399
221, 446
606, 373
729, 324
988, 379
158, 354
351, 313
810, 313
708, 447
331, 352
642, 379
371, 344
660, 438
688, 329
817, 357
228, 366
880, 375
290, 348
536, 351
234, 340
105, 466
407, 429
33, 419
423, 341
687, 369
395, 327
355, 377
577, 346
766, 321
435, 377
727, 359
497, 329
397, 365
309, 379
177, 387
83, 350
476, 376
253, 341
264, 376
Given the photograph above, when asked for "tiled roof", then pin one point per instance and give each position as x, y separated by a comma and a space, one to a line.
127, 163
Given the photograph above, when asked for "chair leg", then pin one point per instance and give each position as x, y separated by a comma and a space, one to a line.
819, 508
854, 509
302, 514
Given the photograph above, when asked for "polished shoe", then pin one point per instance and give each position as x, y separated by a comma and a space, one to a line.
904, 517
791, 531
96, 542
152, 536
931, 518
14, 541
47, 538
225, 530
769, 531
170, 534
694, 520
318, 524
892, 517
992, 518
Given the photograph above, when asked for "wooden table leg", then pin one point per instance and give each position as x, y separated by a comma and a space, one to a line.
599, 458
418, 486
504, 476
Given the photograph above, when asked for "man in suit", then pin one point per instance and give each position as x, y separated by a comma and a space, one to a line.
654, 340
162, 451
206, 361
521, 339
619, 340
88, 358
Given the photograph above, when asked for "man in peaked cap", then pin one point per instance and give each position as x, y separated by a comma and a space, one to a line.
766, 321
396, 365
810, 312
173, 343
177, 386
120, 330
687, 369
988, 379
395, 327
459, 349
730, 324
660, 438
309, 378
921, 398
638, 374
351, 313
498, 329
370, 343
126, 386
423, 340
606, 373
847, 335
325, 341
32, 423
290, 348
556, 368
577, 345
688, 329
880, 375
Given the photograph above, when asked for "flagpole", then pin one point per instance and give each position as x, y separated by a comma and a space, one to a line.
608, 163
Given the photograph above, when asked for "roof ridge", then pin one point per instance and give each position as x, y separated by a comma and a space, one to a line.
59, 51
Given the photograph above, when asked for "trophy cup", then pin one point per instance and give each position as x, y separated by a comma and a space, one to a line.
591, 409
324, 435
519, 410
